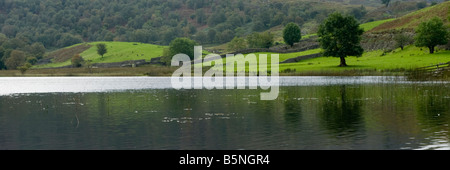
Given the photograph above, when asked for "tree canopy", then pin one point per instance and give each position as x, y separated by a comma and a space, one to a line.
260, 40
291, 34
402, 40
340, 36
101, 49
431, 33
58, 24
237, 44
180, 46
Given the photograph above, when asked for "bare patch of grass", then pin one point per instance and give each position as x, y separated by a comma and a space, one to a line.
67, 53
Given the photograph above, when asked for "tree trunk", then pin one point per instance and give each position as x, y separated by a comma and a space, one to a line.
343, 63
431, 49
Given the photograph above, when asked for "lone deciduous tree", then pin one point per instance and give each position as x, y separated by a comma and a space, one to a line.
431, 33
340, 36
402, 40
179, 46
101, 49
292, 34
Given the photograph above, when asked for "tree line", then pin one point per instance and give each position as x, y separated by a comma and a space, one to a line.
60, 23
29, 28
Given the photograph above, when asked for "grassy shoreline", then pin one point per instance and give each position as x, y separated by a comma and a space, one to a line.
374, 63
159, 71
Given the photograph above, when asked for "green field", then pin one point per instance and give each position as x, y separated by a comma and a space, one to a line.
117, 52
411, 57
370, 25
396, 61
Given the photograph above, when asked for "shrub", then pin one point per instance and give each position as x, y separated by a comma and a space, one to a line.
260, 40
77, 61
237, 44
24, 68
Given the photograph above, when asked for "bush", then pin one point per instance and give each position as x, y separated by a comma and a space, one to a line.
237, 44
77, 61
24, 68
179, 46
15, 59
32, 60
260, 40
402, 40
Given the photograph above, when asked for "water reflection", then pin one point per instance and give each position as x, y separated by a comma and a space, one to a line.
433, 110
335, 116
341, 110
292, 111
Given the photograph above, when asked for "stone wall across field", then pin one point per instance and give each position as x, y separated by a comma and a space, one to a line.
384, 40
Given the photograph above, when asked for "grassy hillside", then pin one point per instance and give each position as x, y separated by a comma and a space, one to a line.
117, 52
371, 25
411, 57
377, 61
412, 20
122, 51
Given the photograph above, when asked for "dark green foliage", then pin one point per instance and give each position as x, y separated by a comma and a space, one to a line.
237, 44
179, 46
37, 50
421, 5
431, 33
217, 18
16, 51
291, 34
260, 40
57, 24
340, 36
358, 13
140, 35
32, 60
16, 59
24, 68
225, 36
67, 39
211, 35
9, 30
200, 16
2, 54
101, 49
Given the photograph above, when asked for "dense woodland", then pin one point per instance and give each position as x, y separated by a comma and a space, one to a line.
28, 28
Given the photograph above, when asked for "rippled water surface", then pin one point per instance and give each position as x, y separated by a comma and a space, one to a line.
146, 113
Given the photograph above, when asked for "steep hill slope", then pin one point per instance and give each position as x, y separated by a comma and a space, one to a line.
117, 52
412, 20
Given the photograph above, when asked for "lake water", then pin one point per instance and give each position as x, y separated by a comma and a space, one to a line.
146, 113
